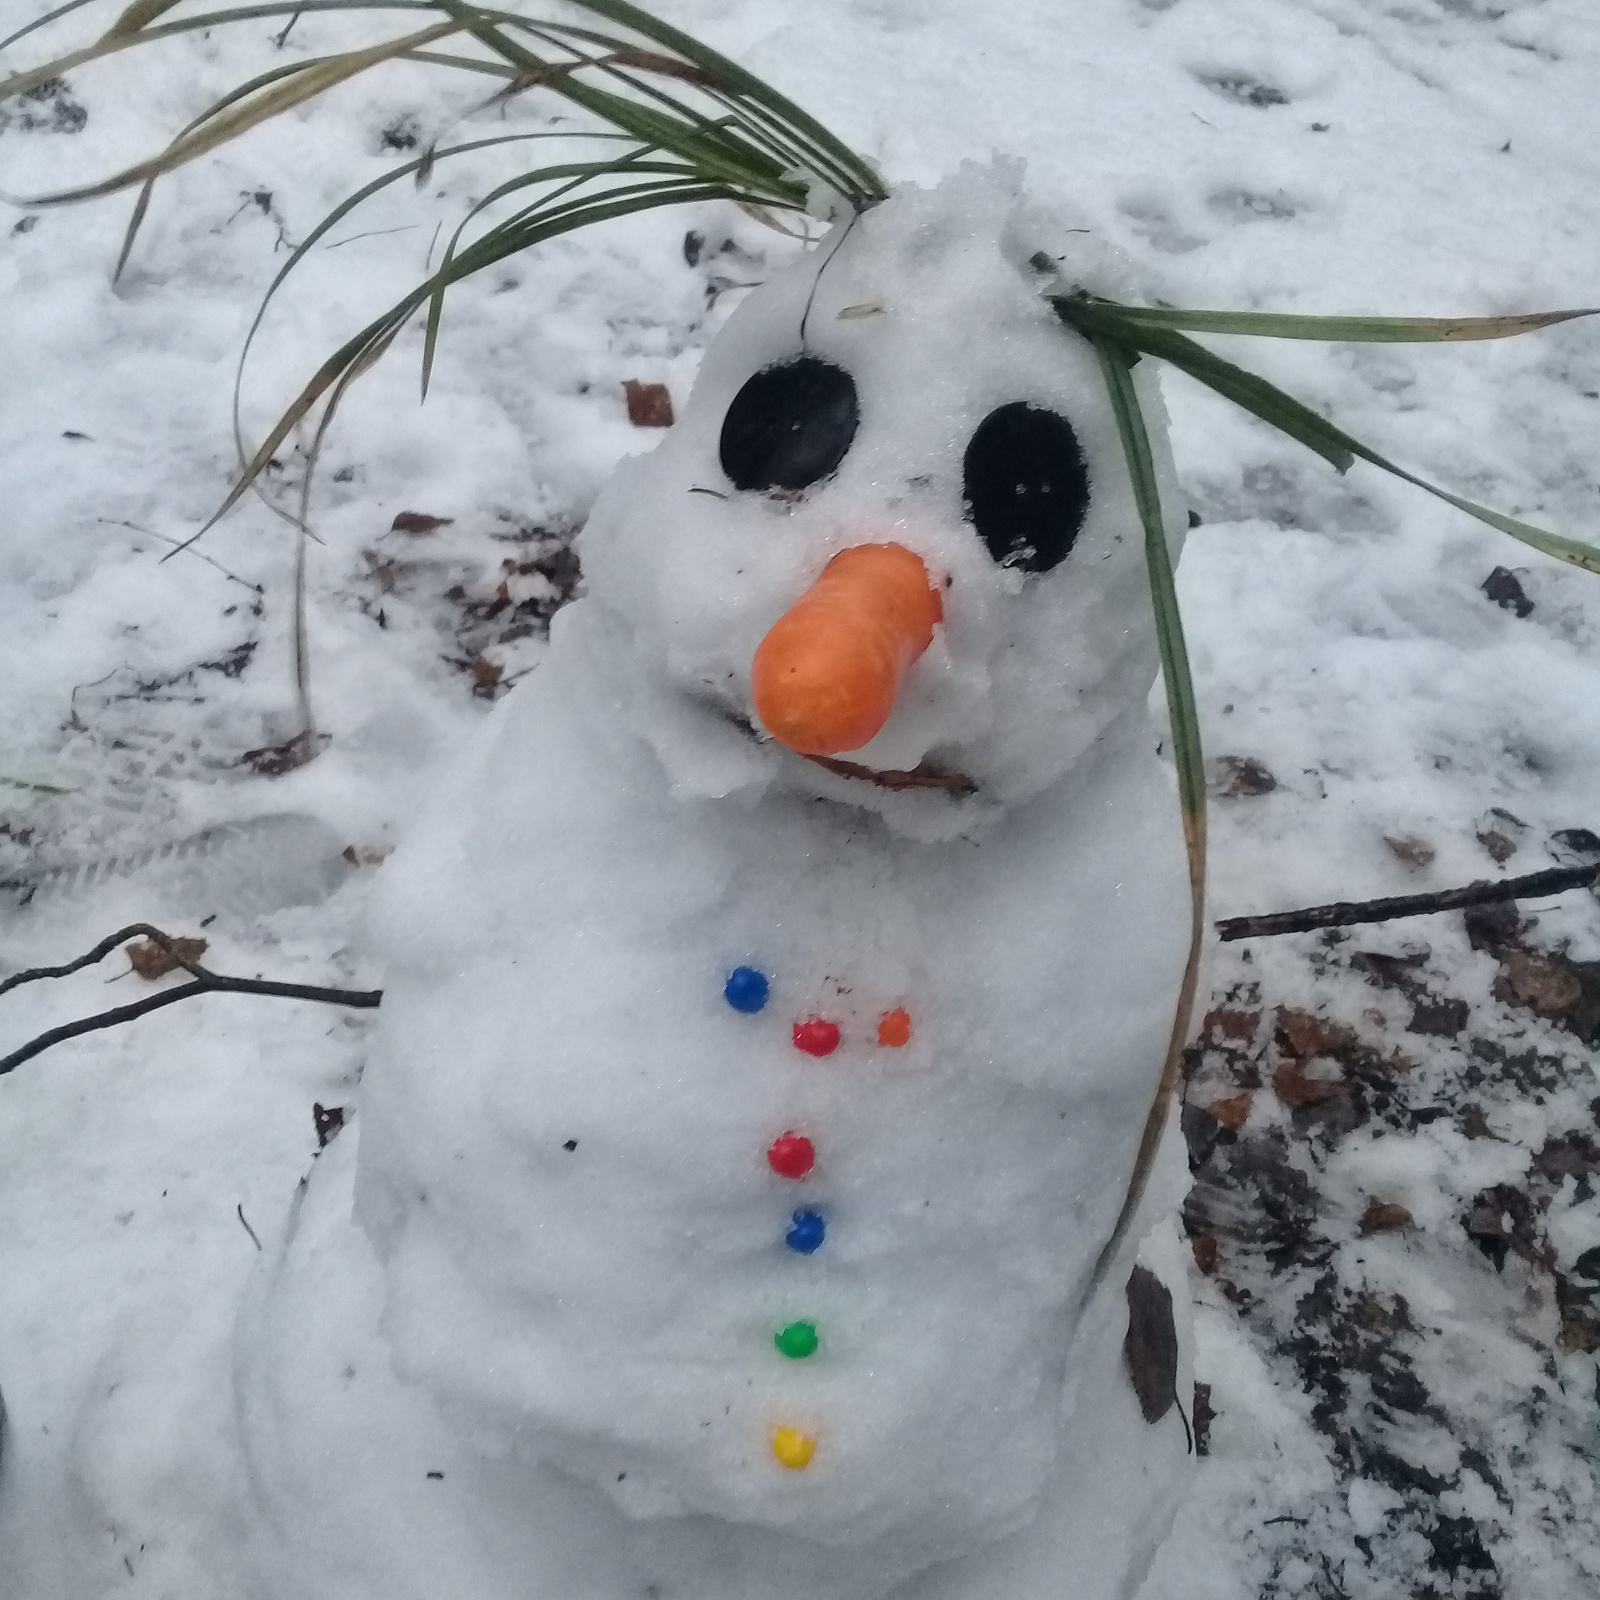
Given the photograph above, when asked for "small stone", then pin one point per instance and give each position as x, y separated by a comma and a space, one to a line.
1505, 589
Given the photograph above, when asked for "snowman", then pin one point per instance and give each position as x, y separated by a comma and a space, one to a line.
775, 998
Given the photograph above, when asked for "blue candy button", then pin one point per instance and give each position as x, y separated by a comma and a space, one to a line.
806, 1232
746, 990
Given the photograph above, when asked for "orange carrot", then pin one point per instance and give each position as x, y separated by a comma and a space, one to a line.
828, 672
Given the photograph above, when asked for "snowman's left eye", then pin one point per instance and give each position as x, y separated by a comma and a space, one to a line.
789, 425
1027, 486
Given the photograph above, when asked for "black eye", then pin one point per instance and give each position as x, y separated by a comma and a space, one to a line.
789, 425
1027, 487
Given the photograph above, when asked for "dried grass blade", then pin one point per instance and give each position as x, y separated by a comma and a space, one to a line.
142, 204
44, 21
303, 86
138, 16
1116, 365
334, 218
859, 181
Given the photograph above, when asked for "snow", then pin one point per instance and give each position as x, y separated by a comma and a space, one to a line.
1332, 156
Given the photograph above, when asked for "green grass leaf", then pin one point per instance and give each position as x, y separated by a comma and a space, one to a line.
1347, 330
1265, 400
1116, 366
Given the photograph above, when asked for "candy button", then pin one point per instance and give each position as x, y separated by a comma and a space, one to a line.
894, 1028
791, 1155
816, 1037
797, 1341
807, 1230
793, 1449
746, 990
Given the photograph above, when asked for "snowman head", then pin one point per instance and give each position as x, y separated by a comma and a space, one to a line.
890, 553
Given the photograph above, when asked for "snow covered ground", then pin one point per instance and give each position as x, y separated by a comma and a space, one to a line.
1403, 1404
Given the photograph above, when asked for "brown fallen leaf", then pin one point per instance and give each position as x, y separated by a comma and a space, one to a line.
1150, 1348
151, 960
1207, 1252
1410, 849
1580, 1330
1239, 777
1544, 985
1225, 1022
1233, 1112
1294, 1088
418, 522
649, 404
1384, 1216
486, 673
273, 760
1303, 1034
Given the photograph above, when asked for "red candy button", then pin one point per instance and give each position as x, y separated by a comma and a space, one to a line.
791, 1155
816, 1037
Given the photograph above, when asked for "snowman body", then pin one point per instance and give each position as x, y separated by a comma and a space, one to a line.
722, 1287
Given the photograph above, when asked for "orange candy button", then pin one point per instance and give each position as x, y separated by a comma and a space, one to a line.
894, 1028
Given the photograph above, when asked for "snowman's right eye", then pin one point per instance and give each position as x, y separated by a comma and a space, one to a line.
789, 425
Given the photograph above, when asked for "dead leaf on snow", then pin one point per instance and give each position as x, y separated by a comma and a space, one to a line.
418, 522
152, 960
1544, 985
1150, 1349
1410, 849
649, 404
1239, 777
1292, 1086
1232, 1112
1384, 1216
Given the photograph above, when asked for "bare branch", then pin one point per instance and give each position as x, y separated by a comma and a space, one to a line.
203, 981
1344, 913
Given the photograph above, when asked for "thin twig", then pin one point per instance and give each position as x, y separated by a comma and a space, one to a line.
134, 930
247, 1228
1343, 913
204, 982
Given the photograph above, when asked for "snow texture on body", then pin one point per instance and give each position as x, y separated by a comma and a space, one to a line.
565, 1126
1314, 155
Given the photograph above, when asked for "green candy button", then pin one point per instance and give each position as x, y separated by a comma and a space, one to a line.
797, 1341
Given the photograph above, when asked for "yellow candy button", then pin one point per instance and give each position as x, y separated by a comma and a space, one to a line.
793, 1448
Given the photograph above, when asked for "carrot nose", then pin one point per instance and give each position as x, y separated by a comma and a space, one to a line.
828, 672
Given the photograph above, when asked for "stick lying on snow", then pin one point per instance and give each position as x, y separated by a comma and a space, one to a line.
204, 982
1342, 913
